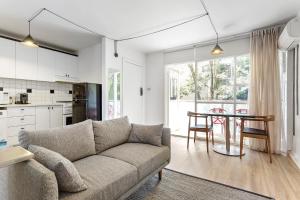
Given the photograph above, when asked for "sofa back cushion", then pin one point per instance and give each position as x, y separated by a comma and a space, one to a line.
111, 133
73, 142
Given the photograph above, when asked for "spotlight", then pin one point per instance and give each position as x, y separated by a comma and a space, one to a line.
116, 48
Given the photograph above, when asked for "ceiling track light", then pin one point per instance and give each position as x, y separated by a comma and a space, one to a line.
116, 48
217, 50
28, 40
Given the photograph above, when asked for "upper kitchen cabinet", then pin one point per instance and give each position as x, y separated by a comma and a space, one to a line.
26, 62
46, 65
89, 66
66, 68
7, 58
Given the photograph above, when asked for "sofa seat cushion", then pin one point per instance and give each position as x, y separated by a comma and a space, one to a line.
107, 178
145, 157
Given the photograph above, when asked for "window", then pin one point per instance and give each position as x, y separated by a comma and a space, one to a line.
217, 83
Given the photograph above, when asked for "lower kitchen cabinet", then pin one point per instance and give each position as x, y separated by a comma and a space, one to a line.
56, 116
49, 117
18, 119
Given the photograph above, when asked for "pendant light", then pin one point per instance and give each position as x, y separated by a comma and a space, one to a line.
28, 40
217, 50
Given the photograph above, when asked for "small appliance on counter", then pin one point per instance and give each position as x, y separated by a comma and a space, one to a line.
21, 98
4, 98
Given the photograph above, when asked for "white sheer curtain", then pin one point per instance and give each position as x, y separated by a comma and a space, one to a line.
264, 89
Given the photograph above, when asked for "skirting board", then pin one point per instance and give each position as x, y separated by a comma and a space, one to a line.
295, 158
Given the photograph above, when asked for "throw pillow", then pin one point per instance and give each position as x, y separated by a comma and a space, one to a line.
68, 178
148, 134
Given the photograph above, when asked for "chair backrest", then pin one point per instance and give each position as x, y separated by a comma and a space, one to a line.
194, 114
198, 115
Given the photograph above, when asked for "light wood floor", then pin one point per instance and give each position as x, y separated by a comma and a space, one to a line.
280, 180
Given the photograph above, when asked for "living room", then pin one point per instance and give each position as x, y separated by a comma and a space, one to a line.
146, 100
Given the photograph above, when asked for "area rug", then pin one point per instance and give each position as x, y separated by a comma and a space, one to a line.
178, 186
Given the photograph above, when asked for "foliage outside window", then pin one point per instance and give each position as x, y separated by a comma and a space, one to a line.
224, 79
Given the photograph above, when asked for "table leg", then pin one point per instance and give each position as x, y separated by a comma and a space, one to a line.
227, 134
227, 149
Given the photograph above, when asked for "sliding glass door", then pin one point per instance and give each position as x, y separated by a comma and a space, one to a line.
216, 85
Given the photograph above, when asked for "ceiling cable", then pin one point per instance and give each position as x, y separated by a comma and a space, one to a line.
36, 14
209, 17
164, 29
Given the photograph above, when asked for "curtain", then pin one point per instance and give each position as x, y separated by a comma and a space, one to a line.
264, 88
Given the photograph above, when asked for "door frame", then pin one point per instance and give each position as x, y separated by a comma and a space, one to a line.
126, 60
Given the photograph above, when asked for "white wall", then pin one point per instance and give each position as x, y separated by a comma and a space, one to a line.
110, 62
89, 64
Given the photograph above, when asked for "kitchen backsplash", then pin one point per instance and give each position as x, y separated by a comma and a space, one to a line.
38, 91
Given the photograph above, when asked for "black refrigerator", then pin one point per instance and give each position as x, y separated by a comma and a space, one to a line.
87, 102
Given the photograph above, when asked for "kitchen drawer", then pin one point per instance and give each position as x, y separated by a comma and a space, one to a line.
20, 111
20, 121
14, 131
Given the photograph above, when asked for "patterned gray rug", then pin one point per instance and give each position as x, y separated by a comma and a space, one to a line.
180, 186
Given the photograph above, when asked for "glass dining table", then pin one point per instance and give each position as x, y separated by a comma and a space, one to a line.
227, 149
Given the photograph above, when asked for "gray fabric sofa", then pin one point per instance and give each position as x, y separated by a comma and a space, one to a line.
114, 173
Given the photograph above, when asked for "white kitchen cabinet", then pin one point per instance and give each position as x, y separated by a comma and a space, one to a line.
18, 119
46, 65
20, 111
42, 121
66, 67
3, 124
26, 62
7, 58
56, 116
48, 117
13, 132
89, 64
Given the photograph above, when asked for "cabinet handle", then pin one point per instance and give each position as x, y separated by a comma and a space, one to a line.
22, 109
52, 108
22, 118
22, 128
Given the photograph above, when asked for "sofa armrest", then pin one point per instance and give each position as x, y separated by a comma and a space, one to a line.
28, 180
166, 137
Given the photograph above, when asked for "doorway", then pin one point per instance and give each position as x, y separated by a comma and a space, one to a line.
133, 91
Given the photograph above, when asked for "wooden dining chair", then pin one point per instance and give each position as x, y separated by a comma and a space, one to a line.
256, 133
206, 128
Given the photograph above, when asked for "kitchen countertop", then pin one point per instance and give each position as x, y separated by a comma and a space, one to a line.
30, 105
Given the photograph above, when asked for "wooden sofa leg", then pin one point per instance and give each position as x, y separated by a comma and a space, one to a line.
160, 174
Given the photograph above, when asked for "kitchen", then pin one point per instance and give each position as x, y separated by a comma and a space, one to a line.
42, 88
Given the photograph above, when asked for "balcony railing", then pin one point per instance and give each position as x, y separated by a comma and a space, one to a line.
178, 120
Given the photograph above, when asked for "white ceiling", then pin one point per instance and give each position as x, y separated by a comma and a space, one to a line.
123, 18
